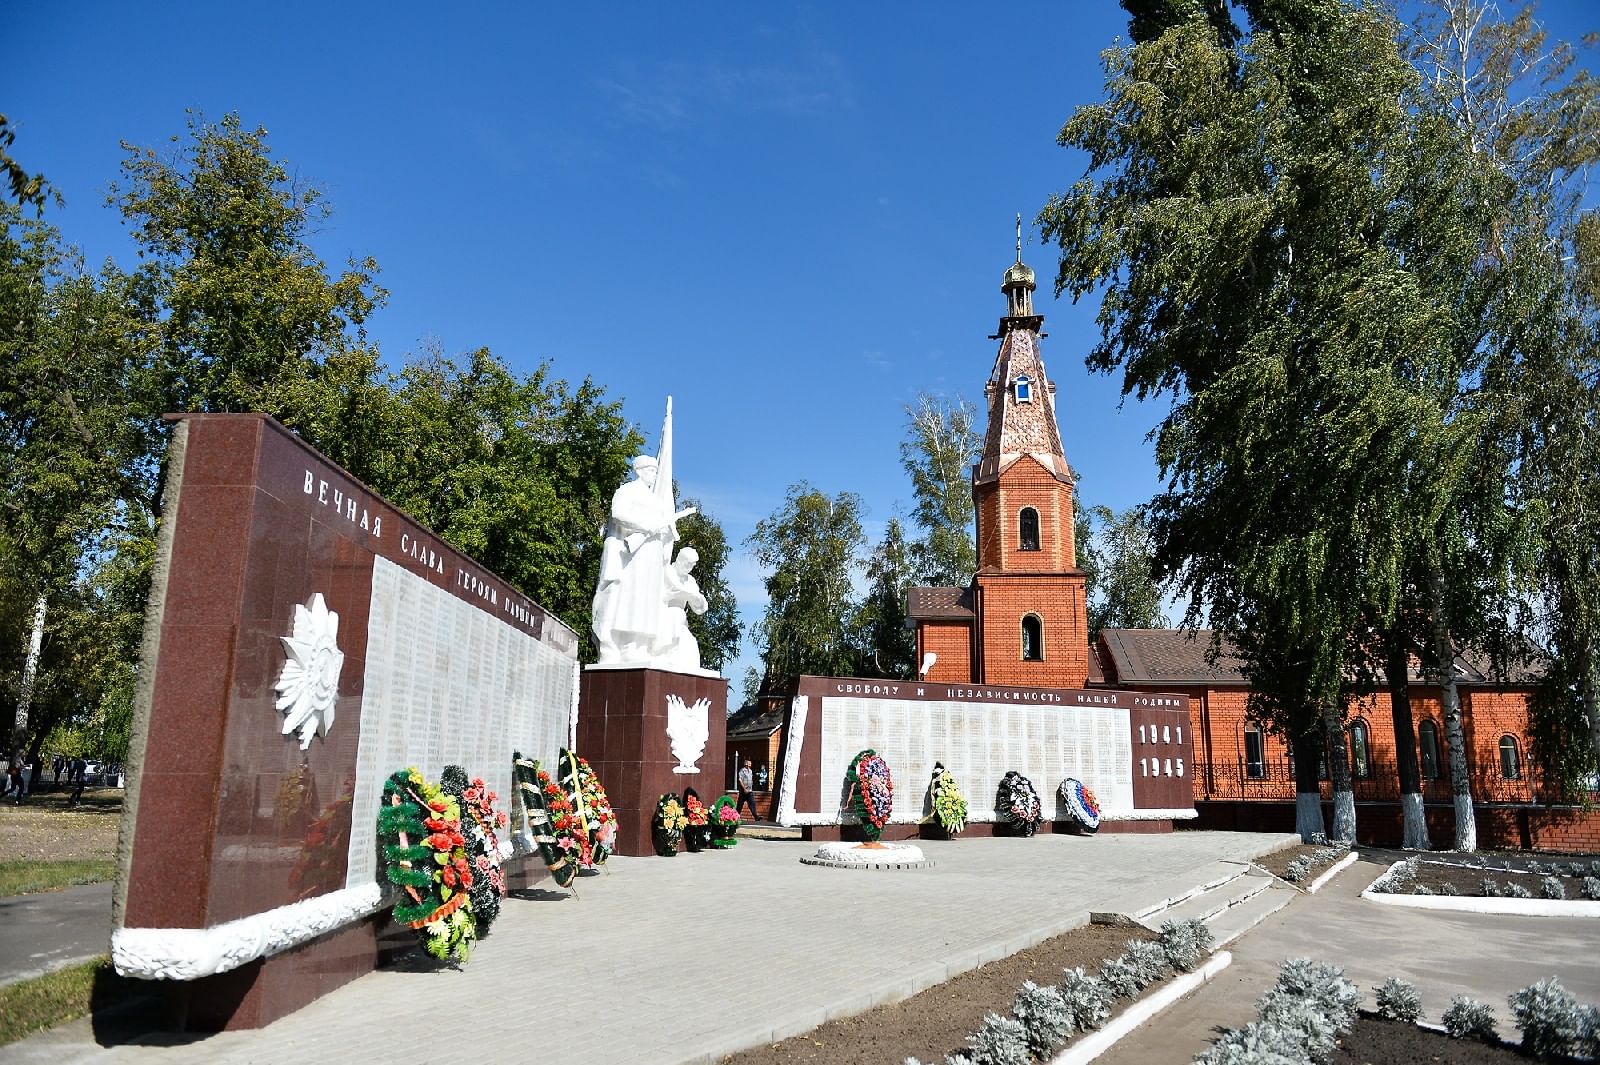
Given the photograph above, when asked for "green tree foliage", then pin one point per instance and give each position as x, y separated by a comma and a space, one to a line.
717, 630
27, 189
1239, 213
938, 452
1530, 114
1126, 594
885, 640
810, 548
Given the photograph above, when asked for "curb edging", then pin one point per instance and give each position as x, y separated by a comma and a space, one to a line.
1338, 867
1097, 1043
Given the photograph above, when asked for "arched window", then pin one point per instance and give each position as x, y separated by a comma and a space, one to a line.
1255, 754
1510, 758
1360, 763
1032, 639
1023, 388
1428, 748
1028, 529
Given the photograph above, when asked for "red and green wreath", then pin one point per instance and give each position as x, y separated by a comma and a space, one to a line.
593, 807
724, 819
425, 855
479, 820
871, 793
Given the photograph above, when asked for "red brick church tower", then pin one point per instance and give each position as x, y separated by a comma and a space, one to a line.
1023, 619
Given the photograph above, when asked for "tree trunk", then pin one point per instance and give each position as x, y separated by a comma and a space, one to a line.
1344, 799
1414, 831
30, 671
1591, 704
1308, 791
1443, 668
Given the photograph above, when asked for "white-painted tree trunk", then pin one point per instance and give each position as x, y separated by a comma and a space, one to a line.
1466, 824
1344, 816
1414, 830
1308, 815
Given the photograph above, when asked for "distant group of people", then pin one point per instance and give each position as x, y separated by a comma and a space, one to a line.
19, 783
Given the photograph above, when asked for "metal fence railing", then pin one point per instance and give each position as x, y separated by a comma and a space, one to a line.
1273, 779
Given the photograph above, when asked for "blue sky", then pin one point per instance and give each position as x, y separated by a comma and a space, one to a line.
790, 218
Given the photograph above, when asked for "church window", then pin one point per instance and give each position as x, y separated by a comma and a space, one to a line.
1255, 760
1024, 389
1510, 758
1360, 761
1028, 529
1428, 748
1032, 639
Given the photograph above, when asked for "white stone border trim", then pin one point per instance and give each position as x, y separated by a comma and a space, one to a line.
190, 953
798, 707
1096, 1043
1338, 867
1482, 904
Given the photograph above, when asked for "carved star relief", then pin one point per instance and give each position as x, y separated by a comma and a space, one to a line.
308, 686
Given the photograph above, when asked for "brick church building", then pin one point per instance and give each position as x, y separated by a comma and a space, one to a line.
1023, 621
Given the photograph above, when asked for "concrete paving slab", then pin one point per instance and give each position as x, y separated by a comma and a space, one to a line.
53, 929
779, 945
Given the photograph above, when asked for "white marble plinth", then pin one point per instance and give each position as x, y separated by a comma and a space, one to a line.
861, 856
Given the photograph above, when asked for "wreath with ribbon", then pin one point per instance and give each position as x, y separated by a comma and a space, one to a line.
949, 805
1019, 802
724, 822
593, 807
666, 828
697, 836
871, 792
1081, 804
479, 819
550, 819
425, 855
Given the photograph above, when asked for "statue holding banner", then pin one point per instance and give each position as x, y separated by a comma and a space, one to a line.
632, 619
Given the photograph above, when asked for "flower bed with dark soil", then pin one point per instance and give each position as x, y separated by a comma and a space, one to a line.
1467, 880
936, 1022
1375, 1041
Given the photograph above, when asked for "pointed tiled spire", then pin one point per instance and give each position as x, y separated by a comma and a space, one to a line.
1021, 400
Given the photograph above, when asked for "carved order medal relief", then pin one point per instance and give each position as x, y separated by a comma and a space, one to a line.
308, 687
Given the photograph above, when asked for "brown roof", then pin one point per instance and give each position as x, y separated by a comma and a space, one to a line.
757, 719
1165, 656
1178, 656
935, 603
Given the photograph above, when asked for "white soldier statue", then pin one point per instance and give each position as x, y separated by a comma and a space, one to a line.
632, 620
682, 651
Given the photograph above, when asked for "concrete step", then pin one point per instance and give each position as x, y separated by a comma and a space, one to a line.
1152, 916
1210, 903
1235, 921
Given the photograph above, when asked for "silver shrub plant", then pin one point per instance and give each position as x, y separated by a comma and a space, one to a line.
1185, 942
1148, 959
1399, 1000
1490, 888
1551, 888
1298, 869
1121, 976
1515, 890
1044, 1017
1549, 1017
1591, 888
1468, 1018
1257, 1043
1088, 999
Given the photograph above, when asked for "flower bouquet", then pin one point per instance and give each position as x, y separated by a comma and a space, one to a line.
479, 821
1082, 806
697, 836
666, 828
425, 855
593, 807
724, 823
1019, 803
949, 805
871, 792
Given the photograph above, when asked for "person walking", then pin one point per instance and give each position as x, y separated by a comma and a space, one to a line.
14, 783
747, 785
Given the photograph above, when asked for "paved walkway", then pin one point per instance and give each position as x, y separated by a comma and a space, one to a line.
1444, 954
686, 959
51, 930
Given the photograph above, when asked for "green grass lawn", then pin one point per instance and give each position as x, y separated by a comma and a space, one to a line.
29, 877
